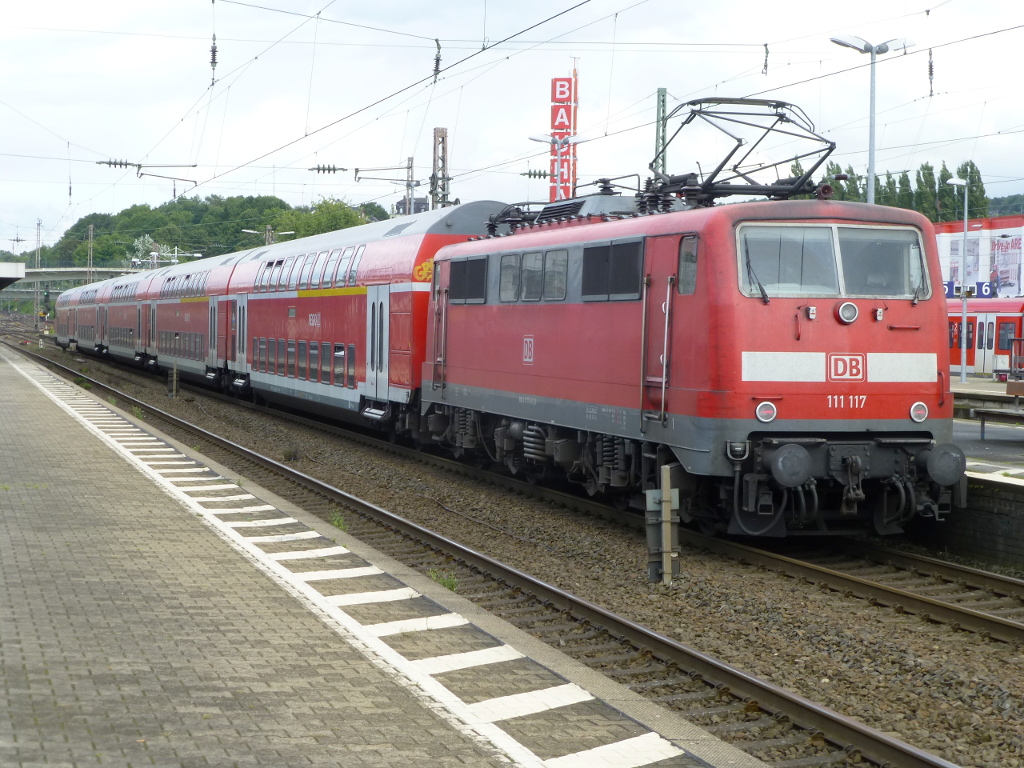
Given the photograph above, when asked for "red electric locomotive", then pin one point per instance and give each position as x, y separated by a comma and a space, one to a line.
787, 358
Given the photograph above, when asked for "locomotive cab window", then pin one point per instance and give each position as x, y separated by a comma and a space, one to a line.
882, 262
828, 260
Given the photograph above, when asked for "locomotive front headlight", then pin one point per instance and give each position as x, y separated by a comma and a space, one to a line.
766, 412
918, 412
847, 312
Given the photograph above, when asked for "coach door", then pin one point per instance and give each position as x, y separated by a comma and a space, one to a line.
378, 316
241, 325
955, 340
211, 352
658, 292
227, 330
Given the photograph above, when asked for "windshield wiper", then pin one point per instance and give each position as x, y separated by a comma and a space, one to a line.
752, 276
917, 292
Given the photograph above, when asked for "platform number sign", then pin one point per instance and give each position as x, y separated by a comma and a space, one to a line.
527, 350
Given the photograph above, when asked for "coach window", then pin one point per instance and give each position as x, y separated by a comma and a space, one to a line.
307, 270
270, 276
328, 274
271, 356
1006, 333
257, 364
325, 362
291, 359
339, 365
301, 372
318, 270
351, 366
280, 274
297, 269
354, 266
281, 280
314, 361
981, 335
508, 283
281, 359
556, 269
687, 281
261, 273
533, 276
341, 279
991, 334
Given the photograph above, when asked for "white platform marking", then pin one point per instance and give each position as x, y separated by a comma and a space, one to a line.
339, 573
441, 621
529, 703
628, 753
258, 523
366, 598
281, 537
307, 554
236, 497
467, 660
236, 510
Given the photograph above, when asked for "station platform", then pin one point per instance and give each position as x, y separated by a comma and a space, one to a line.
155, 609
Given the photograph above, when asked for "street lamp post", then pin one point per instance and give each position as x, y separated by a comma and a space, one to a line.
560, 145
863, 46
963, 285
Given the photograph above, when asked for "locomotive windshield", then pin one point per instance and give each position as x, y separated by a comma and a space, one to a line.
831, 260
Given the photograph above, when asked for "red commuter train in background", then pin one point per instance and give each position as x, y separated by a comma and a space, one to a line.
786, 359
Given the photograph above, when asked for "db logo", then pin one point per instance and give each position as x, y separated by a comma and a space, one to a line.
847, 367
527, 350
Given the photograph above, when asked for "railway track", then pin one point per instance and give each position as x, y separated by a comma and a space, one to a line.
770, 722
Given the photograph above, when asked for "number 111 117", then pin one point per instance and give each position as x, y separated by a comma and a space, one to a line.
847, 401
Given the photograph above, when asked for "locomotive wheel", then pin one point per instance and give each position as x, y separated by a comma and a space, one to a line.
534, 475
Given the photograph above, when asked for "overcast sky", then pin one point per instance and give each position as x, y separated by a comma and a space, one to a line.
115, 80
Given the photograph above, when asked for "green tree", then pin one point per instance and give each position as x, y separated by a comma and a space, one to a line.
977, 201
924, 191
885, 190
905, 195
945, 196
326, 215
853, 186
373, 211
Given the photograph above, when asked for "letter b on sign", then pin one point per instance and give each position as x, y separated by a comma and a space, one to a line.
847, 368
561, 90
